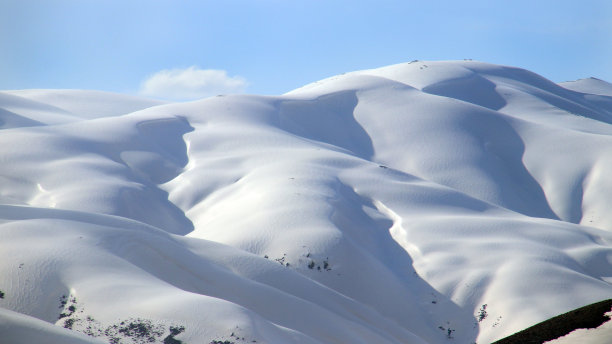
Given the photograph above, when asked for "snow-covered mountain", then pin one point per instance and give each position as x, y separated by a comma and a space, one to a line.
425, 202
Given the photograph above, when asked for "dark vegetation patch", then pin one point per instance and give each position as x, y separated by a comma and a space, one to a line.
174, 331
69, 323
235, 338
140, 331
482, 313
282, 260
320, 266
307, 260
132, 330
68, 304
590, 316
447, 331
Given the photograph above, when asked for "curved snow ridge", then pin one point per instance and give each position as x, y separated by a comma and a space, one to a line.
589, 86
17, 112
413, 203
87, 104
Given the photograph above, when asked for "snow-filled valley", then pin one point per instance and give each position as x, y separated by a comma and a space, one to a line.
425, 202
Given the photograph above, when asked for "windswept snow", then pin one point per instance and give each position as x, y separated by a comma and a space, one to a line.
425, 202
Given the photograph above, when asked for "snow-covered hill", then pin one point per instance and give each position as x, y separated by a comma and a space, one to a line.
425, 202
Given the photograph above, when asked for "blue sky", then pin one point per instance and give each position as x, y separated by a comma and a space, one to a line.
273, 46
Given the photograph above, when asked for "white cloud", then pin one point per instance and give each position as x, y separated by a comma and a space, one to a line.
191, 83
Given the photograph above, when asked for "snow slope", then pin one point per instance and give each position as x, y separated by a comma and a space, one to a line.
425, 202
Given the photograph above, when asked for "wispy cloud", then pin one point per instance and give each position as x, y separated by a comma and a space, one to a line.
191, 83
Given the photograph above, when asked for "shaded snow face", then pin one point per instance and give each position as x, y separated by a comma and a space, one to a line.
414, 203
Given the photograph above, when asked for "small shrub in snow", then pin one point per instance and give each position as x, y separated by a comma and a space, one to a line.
312, 263
68, 303
497, 321
174, 331
482, 313
140, 331
69, 323
449, 331
133, 330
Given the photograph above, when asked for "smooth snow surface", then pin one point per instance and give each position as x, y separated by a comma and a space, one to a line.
426, 202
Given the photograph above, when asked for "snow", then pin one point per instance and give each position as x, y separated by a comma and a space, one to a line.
379, 206
589, 86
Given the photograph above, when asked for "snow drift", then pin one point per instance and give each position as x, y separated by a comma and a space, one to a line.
425, 202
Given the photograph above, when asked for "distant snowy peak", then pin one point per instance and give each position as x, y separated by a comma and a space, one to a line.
589, 85
431, 74
22, 108
509, 90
